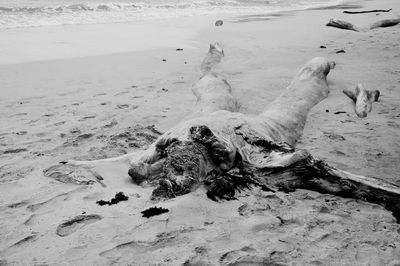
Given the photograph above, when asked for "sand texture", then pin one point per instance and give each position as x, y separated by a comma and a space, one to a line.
103, 106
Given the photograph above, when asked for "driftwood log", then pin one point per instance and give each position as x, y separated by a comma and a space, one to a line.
362, 99
367, 11
227, 151
350, 26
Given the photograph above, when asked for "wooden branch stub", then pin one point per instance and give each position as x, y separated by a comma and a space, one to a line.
363, 99
367, 11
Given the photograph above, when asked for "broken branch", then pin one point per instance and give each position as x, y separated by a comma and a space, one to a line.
363, 99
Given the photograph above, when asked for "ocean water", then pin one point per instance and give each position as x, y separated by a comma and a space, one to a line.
37, 13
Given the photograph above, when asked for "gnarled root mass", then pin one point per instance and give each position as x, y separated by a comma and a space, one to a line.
285, 170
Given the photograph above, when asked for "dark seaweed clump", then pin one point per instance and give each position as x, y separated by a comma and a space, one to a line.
153, 211
118, 197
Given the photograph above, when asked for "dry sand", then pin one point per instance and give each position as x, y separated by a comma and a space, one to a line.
106, 105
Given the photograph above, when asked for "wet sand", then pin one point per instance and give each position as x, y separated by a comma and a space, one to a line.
104, 105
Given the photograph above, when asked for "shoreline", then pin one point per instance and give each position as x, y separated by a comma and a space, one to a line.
51, 39
51, 47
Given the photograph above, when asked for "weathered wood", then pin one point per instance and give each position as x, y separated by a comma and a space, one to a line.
212, 92
350, 26
367, 11
384, 23
286, 170
362, 99
287, 114
212, 58
342, 25
228, 151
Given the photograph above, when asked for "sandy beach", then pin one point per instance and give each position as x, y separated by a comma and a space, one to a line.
98, 91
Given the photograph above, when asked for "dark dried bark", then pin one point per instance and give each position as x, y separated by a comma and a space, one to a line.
316, 175
342, 25
367, 11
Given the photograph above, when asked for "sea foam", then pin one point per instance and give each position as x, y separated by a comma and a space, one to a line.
48, 13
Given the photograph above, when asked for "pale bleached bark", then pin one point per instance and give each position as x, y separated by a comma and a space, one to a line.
290, 110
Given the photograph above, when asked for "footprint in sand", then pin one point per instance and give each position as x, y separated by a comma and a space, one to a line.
59, 123
19, 114
100, 94
121, 93
70, 226
12, 172
112, 123
22, 243
77, 140
21, 133
122, 106
334, 136
246, 256
17, 204
133, 247
52, 202
161, 240
86, 117
71, 174
75, 130
13, 151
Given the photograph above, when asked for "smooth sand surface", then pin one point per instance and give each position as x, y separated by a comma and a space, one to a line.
106, 104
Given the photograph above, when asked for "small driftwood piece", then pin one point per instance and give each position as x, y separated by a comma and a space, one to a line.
362, 99
350, 26
367, 11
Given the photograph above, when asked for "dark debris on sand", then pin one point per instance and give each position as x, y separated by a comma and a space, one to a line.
120, 196
153, 211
